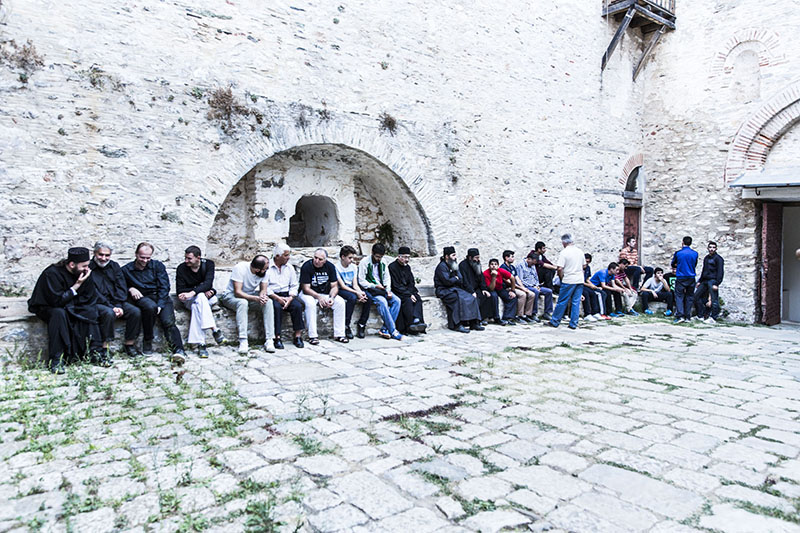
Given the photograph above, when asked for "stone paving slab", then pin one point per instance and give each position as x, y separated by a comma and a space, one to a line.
637, 425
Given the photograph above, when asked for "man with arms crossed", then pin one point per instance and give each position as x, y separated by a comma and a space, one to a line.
319, 283
247, 287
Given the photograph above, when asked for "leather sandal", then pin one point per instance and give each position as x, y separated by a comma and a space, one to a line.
341, 339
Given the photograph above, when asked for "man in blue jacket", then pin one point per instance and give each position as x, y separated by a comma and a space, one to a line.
710, 280
148, 289
685, 263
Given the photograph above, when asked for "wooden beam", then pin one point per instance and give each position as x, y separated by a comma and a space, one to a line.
617, 36
655, 18
617, 7
653, 40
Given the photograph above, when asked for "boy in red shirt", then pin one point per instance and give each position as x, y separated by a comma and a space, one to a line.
501, 287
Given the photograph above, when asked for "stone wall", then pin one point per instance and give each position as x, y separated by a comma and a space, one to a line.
505, 134
725, 61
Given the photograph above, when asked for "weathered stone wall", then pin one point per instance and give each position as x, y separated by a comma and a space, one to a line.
506, 132
725, 60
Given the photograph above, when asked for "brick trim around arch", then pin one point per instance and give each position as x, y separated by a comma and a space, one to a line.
634, 161
764, 41
759, 133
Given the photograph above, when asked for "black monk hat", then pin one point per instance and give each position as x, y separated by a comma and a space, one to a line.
79, 254
404, 250
449, 250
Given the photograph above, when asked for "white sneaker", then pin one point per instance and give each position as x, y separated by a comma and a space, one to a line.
243, 346
268, 347
590, 318
710, 320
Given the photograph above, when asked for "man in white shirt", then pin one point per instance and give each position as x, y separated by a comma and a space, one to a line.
247, 288
570, 271
282, 287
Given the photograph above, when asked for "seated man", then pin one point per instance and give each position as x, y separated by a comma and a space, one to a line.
375, 279
656, 289
544, 268
527, 274
604, 280
112, 294
409, 320
472, 280
148, 289
319, 283
633, 269
525, 297
501, 286
66, 299
247, 288
349, 290
463, 313
194, 283
282, 287
629, 294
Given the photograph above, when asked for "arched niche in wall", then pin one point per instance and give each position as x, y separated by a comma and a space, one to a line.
742, 58
317, 195
745, 85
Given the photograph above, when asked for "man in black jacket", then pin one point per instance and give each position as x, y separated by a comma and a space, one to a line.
462, 307
473, 281
708, 286
111, 299
148, 289
65, 297
194, 283
410, 319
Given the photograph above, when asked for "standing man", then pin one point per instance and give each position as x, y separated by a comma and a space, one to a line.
319, 283
472, 280
710, 280
194, 283
66, 299
463, 313
685, 263
112, 295
375, 279
410, 319
247, 287
501, 285
349, 289
570, 272
525, 297
282, 287
148, 289
530, 280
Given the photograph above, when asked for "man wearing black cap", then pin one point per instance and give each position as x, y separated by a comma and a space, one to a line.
66, 298
148, 289
463, 313
473, 282
410, 320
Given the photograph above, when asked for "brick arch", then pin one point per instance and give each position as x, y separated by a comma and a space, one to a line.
759, 133
634, 161
408, 169
763, 41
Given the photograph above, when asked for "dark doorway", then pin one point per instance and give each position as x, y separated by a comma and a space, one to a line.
314, 223
633, 208
771, 258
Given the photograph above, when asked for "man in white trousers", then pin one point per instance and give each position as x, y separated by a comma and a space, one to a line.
318, 283
194, 283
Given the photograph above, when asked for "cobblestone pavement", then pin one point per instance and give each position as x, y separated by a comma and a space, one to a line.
636, 425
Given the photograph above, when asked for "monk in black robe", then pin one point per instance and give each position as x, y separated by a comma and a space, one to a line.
66, 298
474, 283
462, 307
410, 320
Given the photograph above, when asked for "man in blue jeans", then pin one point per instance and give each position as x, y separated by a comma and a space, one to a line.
685, 263
570, 271
374, 278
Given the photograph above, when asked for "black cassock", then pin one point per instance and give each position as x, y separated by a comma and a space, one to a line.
71, 319
461, 305
476, 283
403, 286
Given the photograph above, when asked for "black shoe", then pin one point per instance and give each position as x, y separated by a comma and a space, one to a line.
417, 327
546, 316
361, 331
202, 353
147, 346
219, 338
131, 350
572, 327
551, 324
298, 342
461, 329
477, 327
179, 357
348, 333
534, 319
57, 365
278, 344
511, 322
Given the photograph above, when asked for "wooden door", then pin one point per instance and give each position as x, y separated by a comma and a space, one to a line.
632, 220
771, 237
